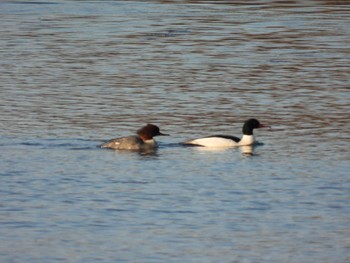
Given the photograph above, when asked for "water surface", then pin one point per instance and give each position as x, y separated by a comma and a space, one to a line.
76, 73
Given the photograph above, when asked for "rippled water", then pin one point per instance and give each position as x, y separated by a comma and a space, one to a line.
76, 73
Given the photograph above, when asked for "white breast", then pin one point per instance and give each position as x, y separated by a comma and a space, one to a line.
247, 140
150, 143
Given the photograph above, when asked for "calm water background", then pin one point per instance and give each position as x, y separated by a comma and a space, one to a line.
76, 73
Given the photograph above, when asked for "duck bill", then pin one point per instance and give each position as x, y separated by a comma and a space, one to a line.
163, 134
264, 126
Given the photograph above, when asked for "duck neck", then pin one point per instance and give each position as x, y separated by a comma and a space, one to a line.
145, 137
247, 130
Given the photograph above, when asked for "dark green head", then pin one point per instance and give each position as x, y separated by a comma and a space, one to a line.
252, 124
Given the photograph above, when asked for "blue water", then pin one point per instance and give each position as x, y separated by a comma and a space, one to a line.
74, 74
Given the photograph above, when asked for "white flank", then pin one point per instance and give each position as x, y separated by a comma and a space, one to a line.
213, 142
222, 142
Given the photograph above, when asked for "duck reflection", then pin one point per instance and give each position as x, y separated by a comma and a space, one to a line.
247, 150
141, 152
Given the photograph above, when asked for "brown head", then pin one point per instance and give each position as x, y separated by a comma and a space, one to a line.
149, 131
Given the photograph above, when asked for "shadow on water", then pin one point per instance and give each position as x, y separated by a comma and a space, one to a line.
248, 150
